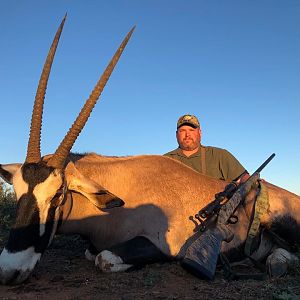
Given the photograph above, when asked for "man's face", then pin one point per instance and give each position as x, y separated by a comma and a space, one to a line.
188, 138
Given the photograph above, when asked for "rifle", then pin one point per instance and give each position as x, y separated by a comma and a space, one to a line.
207, 213
202, 254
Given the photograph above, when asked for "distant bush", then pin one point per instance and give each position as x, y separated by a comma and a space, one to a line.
7, 211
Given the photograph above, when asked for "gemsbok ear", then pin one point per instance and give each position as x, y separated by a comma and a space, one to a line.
94, 192
7, 171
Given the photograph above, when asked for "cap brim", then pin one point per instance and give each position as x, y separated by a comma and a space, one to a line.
188, 124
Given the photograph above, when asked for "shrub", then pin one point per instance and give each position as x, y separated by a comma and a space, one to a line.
7, 211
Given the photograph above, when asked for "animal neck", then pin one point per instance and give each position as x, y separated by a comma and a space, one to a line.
76, 215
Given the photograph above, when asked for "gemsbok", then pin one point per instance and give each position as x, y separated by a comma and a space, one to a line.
134, 210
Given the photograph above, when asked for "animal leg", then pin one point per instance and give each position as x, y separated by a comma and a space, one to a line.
107, 262
134, 253
91, 252
279, 261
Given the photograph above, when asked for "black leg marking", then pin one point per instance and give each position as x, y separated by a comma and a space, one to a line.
92, 249
139, 251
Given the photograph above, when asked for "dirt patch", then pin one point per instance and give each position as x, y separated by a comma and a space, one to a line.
64, 273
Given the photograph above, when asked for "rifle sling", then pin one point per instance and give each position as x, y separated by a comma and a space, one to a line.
261, 207
203, 163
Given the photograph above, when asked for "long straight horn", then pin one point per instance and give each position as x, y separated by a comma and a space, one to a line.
34, 143
59, 157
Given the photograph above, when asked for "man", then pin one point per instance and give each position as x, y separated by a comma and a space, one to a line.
211, 161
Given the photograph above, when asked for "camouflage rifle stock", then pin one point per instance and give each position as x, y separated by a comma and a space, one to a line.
202, 255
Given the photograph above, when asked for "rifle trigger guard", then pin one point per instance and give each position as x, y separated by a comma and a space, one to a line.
233, 219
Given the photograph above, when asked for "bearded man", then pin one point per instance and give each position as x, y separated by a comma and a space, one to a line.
215, 162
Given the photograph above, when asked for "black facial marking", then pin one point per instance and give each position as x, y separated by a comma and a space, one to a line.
41, 246
35, 173
26, 231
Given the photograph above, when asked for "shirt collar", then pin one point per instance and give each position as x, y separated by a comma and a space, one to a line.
180, 153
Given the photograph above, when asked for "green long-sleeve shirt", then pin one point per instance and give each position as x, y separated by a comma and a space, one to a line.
220, 163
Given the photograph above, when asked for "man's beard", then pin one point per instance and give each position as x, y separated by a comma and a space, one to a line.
191, 145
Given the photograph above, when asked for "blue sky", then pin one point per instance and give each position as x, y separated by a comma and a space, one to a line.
234, 64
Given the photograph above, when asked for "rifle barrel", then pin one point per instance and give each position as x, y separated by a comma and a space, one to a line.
265, 163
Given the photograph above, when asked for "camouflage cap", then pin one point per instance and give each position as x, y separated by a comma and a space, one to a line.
188, 120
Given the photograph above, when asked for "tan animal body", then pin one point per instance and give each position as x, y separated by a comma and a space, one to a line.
68, 193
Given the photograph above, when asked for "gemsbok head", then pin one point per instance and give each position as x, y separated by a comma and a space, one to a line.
40, 184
